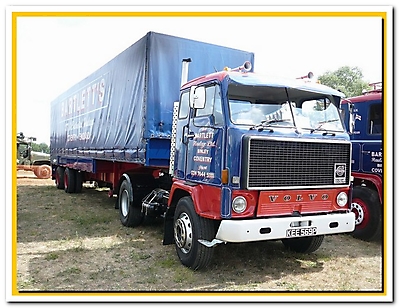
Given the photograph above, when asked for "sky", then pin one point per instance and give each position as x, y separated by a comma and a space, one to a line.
54, 53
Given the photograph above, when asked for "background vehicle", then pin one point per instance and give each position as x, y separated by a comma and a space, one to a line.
231, 157
364, 118
28, 160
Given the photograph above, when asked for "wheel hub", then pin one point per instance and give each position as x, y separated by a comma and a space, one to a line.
124, 204
183, 233
359, 213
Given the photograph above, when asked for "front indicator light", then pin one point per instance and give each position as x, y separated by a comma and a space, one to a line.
342, 199
239, 204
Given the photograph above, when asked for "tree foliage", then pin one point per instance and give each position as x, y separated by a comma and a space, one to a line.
42, 147
345, 79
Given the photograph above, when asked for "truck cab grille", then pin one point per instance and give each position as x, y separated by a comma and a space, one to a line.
293, 163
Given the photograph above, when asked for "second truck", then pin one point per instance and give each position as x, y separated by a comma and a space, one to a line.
363, 116
227, 157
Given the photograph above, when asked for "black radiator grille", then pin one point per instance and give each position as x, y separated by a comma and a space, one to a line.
280, 163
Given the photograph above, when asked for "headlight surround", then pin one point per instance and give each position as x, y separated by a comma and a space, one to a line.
342, 199
239, 204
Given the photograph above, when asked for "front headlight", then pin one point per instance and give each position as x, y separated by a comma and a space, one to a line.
239, 204
342, 199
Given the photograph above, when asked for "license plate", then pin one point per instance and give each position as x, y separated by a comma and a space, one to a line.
300, 232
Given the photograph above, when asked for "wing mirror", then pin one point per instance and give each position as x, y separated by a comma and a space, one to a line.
197, 97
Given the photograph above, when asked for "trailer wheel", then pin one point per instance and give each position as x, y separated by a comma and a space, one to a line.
78, 182
188, 227
130, 215
59, 178
368, 215
69, 181
304, 244
42, 171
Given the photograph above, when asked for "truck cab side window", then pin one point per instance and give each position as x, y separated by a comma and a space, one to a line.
375, 119
183, 108
208, 109
213, 105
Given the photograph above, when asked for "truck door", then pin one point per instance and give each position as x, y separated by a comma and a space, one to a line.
372, 147
204, 139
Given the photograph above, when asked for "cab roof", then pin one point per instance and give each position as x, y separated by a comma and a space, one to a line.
260, 80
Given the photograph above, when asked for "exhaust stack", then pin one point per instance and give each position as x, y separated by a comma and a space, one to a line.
184, 70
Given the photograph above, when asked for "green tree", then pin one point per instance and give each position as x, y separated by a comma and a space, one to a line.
42, 147
345, 79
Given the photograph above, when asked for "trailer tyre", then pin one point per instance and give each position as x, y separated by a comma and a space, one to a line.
188, 227
129, 214
59, 178
69, 181
304, 244
367, 208
78, 182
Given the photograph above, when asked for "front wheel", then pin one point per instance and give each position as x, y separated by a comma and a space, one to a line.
304, 244
188, 228
368, 216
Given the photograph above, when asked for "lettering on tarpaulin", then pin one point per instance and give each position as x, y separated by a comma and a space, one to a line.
79, 130
85, 100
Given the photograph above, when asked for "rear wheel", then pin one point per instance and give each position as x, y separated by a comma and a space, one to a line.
79, 181
304, 244
368, 215
69, 181
59, 177
129, 210
188, 227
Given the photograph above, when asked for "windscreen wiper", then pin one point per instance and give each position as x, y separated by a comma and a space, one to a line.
266, 123
319, 127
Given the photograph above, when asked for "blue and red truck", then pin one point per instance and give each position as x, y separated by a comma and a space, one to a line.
186, 131
364, 118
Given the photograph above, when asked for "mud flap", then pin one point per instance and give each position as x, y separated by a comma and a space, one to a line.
168, 229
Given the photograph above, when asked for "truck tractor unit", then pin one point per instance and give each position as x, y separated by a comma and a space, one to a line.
28, 160
186, 132
364, 119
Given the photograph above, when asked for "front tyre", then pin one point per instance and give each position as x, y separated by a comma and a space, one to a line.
304, 244
368, 216
188, 227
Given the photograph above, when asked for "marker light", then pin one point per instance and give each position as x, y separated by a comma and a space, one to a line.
225, 176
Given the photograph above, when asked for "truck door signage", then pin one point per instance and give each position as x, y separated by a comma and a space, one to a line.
376, 157
203, 144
